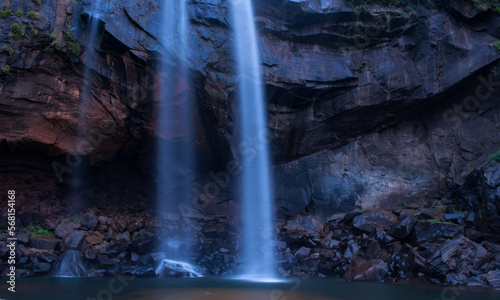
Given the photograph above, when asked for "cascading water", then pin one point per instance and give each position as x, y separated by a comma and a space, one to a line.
83, 139
70, 264
174, 159
256, 194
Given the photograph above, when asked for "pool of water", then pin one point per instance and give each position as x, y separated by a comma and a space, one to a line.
45, 288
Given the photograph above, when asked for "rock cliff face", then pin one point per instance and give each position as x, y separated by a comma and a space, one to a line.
366, 110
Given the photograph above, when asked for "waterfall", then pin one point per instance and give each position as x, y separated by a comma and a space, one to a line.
256, 194
174, 153
70, 264
79, 173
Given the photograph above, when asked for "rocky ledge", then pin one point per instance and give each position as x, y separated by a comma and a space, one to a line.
367, 109
445, 242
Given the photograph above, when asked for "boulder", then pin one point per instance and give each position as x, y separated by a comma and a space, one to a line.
367, 270
456, 258
94, 239
403, 262
40, 268
89, 254
404, 227
429, 231
373, 250
493, 278
352, 250
117, 247
369, 222
139, 271
96, 272
144, 245
303, 228
89, 221
104, 260
63, 230
23, 237
44, 243
47, 257
74, 240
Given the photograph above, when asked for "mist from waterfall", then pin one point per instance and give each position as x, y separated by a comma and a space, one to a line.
174, 157
255, 191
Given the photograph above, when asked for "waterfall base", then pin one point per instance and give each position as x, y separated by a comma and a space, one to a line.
70, 264
174, 268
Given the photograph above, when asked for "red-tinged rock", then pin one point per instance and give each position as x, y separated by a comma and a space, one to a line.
44, 242
94, 239
63, 230
367, 270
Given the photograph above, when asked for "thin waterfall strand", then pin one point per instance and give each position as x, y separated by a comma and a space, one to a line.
175, 162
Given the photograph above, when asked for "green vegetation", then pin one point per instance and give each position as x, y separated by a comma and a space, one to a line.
5, 70
35, 31
37, 1
53, 43
440, 207
8, 49
494, 157
436, 221
17, 31
496, 45
33, 15
19, 13
39, 231
73, 45
5, 12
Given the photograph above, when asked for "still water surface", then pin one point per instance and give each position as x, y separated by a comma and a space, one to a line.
52, 288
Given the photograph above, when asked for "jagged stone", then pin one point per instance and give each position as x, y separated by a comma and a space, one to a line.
404, 227
74, 240
89, 221
367, 270
369, 222
456, 258
428, 231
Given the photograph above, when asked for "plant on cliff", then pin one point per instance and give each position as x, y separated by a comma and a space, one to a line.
19, 13
5, 70
494, 157
33, 15
73, 45
35, 31
39, 231
37, 1
8, 49
5, 12
496, 45
17, 31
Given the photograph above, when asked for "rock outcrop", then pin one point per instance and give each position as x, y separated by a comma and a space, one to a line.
366, 109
